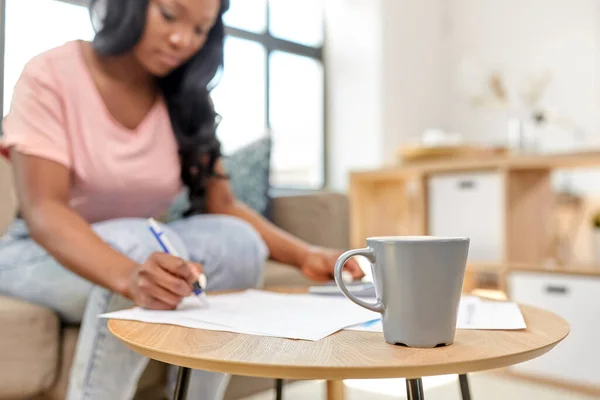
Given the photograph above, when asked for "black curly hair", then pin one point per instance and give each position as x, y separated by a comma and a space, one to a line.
119, 26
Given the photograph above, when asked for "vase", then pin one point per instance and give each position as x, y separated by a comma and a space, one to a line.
522, 136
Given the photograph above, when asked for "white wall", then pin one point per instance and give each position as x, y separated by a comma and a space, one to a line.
520, 38
383, 75
396, 68
413, 54
353, 59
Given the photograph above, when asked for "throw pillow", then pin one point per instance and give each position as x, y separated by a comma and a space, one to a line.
249, 172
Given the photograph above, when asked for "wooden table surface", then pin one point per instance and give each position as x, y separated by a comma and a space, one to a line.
344, 355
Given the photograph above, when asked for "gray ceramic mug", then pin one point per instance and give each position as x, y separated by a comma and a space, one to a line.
418, 281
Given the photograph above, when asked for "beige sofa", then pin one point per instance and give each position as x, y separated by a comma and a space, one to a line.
36, 350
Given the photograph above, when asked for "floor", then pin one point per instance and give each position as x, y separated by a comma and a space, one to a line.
488, 386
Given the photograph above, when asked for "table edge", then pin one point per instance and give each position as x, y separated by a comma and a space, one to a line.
335, 373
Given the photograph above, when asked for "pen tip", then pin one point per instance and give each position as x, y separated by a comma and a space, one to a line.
196, 288
202, 280
152, 223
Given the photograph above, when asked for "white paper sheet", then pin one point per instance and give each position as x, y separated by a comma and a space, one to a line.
491, 315
473, 313
294, 316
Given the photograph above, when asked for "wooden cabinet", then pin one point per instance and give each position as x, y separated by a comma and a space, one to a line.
575, 360
504, 203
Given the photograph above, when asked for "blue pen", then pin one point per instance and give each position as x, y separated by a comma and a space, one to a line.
168, 248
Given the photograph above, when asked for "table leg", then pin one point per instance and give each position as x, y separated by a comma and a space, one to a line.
464, 387
335, 390
183, 380
414, 389
278, 389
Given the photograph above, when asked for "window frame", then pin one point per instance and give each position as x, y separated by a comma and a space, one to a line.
273, 43
266, 39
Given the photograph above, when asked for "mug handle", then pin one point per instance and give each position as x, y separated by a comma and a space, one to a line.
337, 274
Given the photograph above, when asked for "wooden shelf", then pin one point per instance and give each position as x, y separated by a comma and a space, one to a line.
503, 162
580, 270
396, 201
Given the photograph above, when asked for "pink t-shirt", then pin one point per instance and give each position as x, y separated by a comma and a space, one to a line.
57, 113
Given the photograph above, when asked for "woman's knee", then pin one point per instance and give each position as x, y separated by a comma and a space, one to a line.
29, 273
102, 300
132, 237
244, 252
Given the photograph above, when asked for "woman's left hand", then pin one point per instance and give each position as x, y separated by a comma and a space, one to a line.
319, 263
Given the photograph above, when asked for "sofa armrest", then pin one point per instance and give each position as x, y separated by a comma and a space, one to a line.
8, 201
29, 348
321, 218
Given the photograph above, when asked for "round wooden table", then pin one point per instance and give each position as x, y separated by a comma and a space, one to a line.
344, 355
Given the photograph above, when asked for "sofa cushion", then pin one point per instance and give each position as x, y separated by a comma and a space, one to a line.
249, 169
67, 350
278, 274
320, 218
29, 343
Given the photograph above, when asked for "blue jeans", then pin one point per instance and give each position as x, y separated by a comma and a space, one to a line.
231, 251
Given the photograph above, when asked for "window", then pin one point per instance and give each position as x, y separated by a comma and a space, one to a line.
51, 30
240, 97
299, 21
286, 86
272, 83
296, 119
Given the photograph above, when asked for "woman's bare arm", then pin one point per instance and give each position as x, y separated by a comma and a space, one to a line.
283, 246
316, 263
43, 189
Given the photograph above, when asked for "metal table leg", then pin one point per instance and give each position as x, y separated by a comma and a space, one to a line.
278, 389
183, 380
464, 387
414, 389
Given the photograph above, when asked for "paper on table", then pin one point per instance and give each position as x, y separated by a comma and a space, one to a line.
254, 312
473, 313
490, 315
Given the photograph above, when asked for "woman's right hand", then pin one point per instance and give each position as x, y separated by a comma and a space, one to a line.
162, 281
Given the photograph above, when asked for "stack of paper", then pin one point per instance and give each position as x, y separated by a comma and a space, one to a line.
304, 316
473, 313
294, 316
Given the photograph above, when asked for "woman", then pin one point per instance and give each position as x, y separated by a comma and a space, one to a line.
103, 135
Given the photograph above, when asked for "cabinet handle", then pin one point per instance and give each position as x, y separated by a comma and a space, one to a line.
552, 289
466, 185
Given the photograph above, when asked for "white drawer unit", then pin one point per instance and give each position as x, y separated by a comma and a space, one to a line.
469, 204
576, 299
